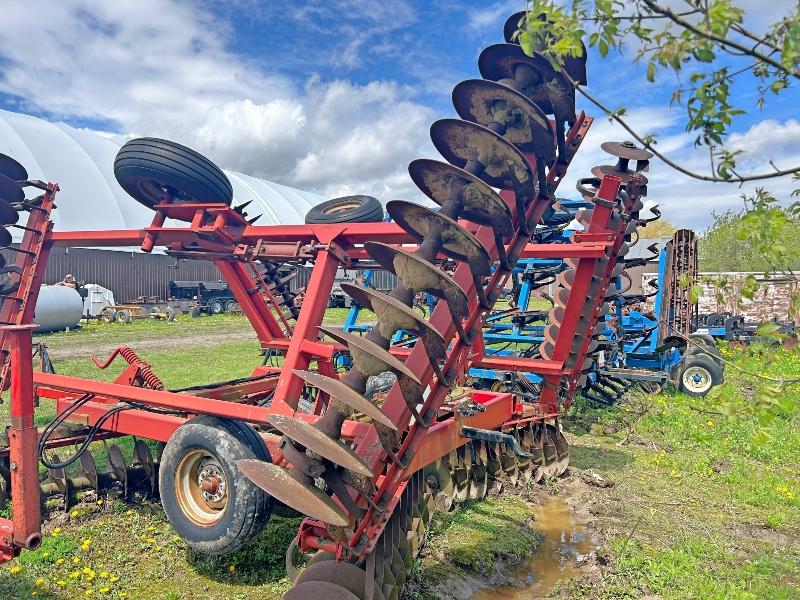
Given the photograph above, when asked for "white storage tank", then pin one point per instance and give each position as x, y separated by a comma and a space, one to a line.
58, 307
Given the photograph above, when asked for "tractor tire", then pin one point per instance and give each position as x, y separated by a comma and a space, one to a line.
216, 307
196, 312
123, 316
148, 168
220, 520
697, 374
108, 315
347, 209
232, 306
705, 350
704, 338
169, 312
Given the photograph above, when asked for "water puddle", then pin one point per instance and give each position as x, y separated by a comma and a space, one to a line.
565, 541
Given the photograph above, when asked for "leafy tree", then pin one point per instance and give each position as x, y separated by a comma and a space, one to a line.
658, 229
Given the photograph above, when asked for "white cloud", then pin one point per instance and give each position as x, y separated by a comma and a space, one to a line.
159, 67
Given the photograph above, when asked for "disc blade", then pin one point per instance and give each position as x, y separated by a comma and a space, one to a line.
419, 275
456, 242
10, 190
5, 237
503, 165
626, 150
482, 205
12, 169
393, 315
524, 124
320, 443
340, 573
345, 395
280, 484
370, 358
601, 170
319, 589
8, 216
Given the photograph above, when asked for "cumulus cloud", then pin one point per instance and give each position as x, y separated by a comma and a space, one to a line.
158, 67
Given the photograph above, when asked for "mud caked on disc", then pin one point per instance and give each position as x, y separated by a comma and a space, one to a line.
393, 316
503, 165
340, 573
346, 395
318, 442
12, 169
419, 275
522, 121
282, 486
482, 205
456, 242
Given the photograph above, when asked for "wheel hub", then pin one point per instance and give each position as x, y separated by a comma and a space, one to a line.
201, 487
696, 379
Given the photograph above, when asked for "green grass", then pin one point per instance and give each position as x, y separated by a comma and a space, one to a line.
709, 509
712, 508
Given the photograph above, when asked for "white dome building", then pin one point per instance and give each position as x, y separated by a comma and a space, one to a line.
81, 162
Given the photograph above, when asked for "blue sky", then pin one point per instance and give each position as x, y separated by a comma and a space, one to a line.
334, 96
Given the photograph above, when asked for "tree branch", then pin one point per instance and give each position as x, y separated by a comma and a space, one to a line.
668, 161
719, 40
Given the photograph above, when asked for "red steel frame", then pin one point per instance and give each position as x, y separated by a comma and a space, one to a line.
216, 232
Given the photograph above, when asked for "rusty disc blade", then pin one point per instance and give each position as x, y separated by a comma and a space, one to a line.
546, 350
370, 358
12, 169
503, 165
556, 315
393, 315
584, 216
280, 484
565, 278
601, 170
456, 242
525, 125
10, 190
313, 590
512, 25
533, 76
340, 573
419, 275
8, 216
482, 205
346, 395
319, 443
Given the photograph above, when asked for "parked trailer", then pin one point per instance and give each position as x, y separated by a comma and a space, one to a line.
233, 447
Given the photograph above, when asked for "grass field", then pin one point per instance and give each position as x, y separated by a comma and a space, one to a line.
703, 506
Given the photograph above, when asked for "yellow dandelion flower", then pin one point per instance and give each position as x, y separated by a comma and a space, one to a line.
61, 583
74, 575
113, 578
100, 502
34, 593
157, 548
176, 538
45, 554
231, 568
101, 523
76, 560
123, 594
151, 540
39, 581
151, 528
129, 513
87, 542
103, 574
88, 592
86, 570
60, 561
16, 569
74, 514
104, 590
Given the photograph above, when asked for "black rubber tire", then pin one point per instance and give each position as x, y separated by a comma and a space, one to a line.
702, 349
232, 306
216, 307
144, 167
123, 316
347, 209
704, 338
248, 508
697, 361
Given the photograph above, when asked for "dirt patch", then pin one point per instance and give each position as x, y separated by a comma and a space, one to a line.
154, 343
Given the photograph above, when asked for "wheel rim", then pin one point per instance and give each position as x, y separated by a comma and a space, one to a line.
201, 487
340, 208
696, 379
